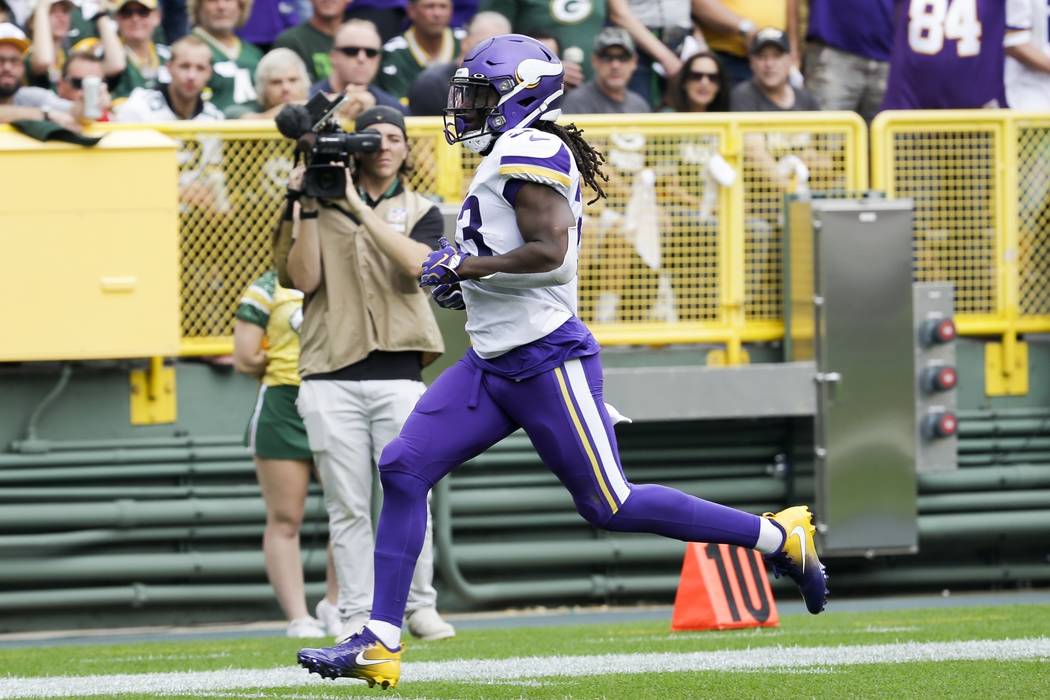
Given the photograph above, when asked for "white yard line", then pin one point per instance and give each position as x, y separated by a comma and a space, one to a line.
487, 670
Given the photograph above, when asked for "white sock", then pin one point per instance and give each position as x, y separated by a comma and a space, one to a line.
770, 537
389, 635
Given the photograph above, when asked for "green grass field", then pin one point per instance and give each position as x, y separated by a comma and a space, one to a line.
993, 652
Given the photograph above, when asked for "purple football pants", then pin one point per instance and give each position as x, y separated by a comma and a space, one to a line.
466, 411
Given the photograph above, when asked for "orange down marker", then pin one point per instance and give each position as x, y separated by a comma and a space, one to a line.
723, 587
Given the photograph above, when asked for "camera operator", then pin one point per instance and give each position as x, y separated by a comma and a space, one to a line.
368, 330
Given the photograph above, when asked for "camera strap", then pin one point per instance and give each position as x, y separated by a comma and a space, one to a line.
345, 212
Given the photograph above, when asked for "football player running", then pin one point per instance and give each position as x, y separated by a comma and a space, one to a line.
534, 364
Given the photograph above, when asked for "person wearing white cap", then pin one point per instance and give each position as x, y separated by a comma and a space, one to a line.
19, 102
136, 22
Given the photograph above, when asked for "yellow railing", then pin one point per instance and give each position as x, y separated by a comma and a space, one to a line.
686, 247
980, 181
700, 263
232, 182
672, 255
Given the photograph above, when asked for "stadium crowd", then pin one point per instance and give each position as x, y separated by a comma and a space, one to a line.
149, 60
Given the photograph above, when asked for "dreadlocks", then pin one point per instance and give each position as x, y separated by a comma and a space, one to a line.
588, 160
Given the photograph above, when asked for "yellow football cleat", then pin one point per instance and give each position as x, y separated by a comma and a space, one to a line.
798, 558
361, 656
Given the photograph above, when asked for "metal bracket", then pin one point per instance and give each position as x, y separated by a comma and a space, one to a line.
153, 394
1001, 376
720, 358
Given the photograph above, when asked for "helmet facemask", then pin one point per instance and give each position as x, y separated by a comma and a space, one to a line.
507, 82
471, 102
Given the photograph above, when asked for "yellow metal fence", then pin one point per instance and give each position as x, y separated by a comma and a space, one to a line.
980, 181
686, 247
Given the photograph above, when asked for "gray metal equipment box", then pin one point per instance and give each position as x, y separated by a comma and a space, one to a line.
848, 307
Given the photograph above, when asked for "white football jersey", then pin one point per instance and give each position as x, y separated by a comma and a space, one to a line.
1027, 21
500, 319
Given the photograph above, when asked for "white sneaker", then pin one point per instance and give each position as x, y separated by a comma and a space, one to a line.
426, 624
304, 628
328, 616
351, 627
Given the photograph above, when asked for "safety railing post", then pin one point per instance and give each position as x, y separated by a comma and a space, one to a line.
1007, 243
731, 243
449, 170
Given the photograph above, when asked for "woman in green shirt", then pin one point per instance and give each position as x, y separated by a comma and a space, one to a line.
266, 345
137, 21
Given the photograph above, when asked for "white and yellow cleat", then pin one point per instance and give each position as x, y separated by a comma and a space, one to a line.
798, 558
362, 656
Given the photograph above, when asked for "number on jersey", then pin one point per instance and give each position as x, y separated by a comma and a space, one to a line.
470, 223
930, 22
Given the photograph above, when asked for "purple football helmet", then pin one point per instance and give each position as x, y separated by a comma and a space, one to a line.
507, 82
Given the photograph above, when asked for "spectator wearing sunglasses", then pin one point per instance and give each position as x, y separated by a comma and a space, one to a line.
729, 25
685, 182
79, 66
427, 41
355, 63
701, 86
614, 60
312, 39
233, 60
770, 89
136, 22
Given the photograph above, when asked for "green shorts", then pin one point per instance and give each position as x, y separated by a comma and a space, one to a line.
275, 430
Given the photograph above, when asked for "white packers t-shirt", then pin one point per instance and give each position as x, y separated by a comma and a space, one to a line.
145, 105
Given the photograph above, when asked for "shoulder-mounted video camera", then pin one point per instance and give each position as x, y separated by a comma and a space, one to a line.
327, 149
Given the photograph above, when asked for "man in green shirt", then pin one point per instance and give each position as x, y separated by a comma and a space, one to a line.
233, 61
312, 39
573, 24
428, 41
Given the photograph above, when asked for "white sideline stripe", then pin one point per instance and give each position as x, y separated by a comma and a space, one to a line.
483, 671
